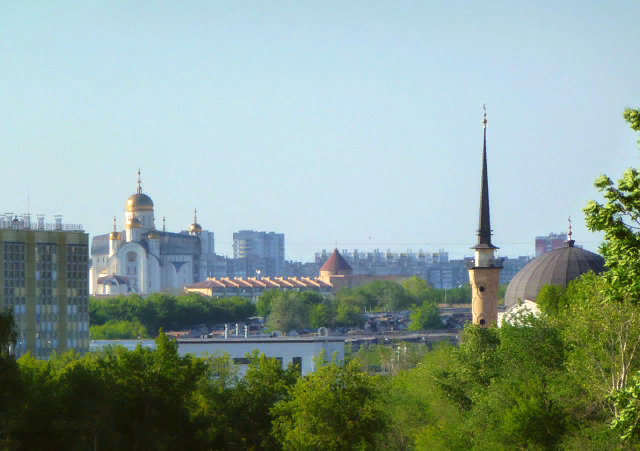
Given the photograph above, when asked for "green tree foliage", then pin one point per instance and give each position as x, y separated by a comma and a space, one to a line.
263, 306
619, 219
552, 299
604, 337
335, 408
289, 310
235, 412
118, 330
425, 317
11, 387
162, 310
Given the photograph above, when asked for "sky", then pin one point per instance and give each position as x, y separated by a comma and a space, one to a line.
349, 122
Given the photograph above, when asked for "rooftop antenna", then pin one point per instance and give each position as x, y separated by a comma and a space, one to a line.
195, 215
139, 183
163, 224
114, 224
570, 233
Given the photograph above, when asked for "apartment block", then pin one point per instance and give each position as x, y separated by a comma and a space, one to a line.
45, 276
259, 253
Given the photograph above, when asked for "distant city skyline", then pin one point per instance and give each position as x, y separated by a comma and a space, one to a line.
357, 123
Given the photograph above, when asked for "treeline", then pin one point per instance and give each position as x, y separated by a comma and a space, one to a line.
292, 310
133, 315
158, 400
567, 380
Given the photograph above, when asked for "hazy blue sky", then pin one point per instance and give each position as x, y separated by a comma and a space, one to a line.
350, 121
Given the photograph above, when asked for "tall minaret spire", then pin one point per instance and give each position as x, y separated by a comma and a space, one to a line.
139, 191
484, 223
484, 271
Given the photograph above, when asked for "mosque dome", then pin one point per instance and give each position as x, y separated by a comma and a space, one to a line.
558, 267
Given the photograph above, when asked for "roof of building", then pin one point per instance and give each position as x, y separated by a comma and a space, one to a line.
262, 282
171, 243
558, 267
112, 280
336, 263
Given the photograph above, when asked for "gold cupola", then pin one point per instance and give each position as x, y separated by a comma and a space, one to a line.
195, 227
153, 233
134, 223
115, 235
139, 202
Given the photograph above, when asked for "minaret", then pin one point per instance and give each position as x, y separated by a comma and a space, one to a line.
484, 274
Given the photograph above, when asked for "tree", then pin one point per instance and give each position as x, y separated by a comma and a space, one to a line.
263, 306
118, 330
288, 311
619, 219
604, 337
321, 315
425, 317
335, 408
552, 299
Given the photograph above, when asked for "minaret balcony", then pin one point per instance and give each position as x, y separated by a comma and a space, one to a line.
497, 262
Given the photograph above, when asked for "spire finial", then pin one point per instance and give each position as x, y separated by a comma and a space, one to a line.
195, 215
484, 122
570, 241
114, 224
139, 182
163, 224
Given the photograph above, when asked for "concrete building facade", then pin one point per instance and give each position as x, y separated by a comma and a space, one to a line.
259, 253
45, 270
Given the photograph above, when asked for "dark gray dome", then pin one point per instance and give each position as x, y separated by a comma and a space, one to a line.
558, 267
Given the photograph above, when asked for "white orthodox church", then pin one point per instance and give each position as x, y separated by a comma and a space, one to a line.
142, 260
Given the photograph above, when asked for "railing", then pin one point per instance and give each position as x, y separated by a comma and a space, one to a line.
22, 225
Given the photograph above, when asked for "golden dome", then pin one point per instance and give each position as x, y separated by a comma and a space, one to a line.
114, 236
195, 227
153, 235
134, 224
139, 202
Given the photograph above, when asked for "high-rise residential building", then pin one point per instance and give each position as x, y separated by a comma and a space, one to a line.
259, 253
550, 243
45, 275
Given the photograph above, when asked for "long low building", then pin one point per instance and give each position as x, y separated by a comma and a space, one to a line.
253, 287
296, 350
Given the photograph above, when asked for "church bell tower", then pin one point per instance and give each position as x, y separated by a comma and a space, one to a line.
484, 271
